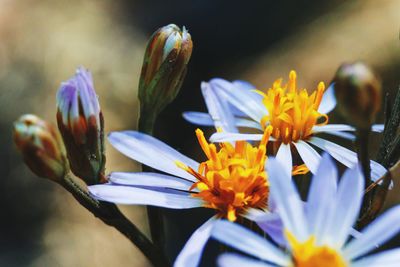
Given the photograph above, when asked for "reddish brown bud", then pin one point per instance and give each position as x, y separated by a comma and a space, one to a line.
41, 147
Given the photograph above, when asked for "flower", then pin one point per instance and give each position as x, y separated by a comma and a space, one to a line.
81, 125
316, 233
232, 180
295, 115
41, 146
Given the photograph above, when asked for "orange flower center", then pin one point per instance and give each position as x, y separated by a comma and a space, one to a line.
292, 112
233, 178
307, 254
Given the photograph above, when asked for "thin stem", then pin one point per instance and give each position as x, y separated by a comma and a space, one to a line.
112, 216
147, 119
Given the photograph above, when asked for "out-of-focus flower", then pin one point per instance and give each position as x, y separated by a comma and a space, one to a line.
232, 181
81, 125
164, 67
295, 116
358, 92
316, 233
41, 147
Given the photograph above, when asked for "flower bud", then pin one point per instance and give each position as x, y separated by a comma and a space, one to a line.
41, 147
164, 67
81, 125
358, 93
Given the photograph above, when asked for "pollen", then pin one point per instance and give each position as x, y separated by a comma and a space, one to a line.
232, 179
292, 111
308, 254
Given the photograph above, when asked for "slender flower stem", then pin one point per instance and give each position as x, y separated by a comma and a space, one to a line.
147, 120
388, 155
112, 216
389, 150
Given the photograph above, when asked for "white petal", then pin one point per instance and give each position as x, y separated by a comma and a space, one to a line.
138, 196
204, 119
344, 127
151, 152
284, 156
198, 118
333, 127
388, 258
336, 129
190, 255
243, 100
229, 137
218, 109
240, 122
287, 200
328, 101
348, 204
257, 214
375, 234
150, 179
344, 135
308, 154
273, 226
240, 84
346, 156
243, 85
354, 233
378, 128
235, 260
321, 197
269, 222
247, 241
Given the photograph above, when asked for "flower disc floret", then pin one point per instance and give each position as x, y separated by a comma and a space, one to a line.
233, 178
308, 254
292, 112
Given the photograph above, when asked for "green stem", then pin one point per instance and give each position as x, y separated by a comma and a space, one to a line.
112, 216
147, 119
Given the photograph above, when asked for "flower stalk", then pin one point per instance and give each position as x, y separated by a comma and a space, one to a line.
44, 153
163, 71
112, 216
358, 91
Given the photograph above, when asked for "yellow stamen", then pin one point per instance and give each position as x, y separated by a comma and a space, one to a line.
300, 169
308, 254
232, 179
292, 112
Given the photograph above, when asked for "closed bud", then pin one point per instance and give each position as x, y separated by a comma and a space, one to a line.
164, 67
81, 125
41, 147
358, 93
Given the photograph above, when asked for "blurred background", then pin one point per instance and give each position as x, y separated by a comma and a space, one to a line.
42, 43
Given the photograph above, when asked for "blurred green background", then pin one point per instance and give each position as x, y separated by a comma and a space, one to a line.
42, 42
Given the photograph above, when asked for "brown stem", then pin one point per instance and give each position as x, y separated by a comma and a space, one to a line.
112, 216
363, 158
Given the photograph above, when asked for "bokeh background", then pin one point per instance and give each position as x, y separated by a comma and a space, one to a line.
42, 42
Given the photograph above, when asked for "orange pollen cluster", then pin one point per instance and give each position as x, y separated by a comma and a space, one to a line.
292, 112
233, 178
308, 254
